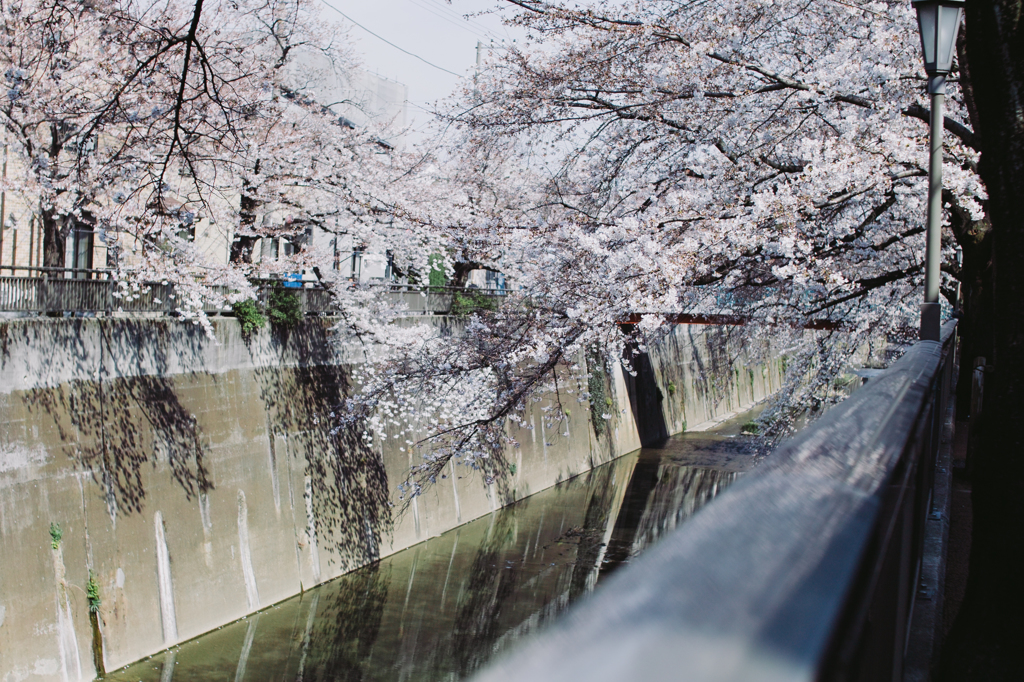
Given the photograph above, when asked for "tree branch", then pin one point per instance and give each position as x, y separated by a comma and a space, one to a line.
956, 128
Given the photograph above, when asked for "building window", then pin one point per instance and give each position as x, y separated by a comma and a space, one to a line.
82, 241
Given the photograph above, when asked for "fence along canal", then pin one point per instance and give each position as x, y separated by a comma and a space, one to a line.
59, 290
807, 569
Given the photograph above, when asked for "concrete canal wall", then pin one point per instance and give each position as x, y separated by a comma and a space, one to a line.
156, 484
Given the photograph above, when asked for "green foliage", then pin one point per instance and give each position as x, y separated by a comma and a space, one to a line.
512, 469
671, 388
465, 304
92, 593
844, 380
436, 277
249, 316
284, 308
55, 534
751, 427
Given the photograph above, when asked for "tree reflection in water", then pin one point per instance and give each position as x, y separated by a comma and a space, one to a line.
345, 627
441, 609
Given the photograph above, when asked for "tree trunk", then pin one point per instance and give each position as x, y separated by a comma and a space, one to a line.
976, 326
975, 238
461, 274
245, 241
987, 636
54, 239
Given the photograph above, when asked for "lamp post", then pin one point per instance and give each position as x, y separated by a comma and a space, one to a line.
939, 22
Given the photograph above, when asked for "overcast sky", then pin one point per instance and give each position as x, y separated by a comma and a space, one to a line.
432, 30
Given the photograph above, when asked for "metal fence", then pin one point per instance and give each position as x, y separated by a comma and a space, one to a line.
54, 290
807, 568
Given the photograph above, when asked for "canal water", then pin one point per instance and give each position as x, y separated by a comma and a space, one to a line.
441, 609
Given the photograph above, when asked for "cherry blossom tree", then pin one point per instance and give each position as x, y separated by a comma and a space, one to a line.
759, 159
146, 120
55, 101
752, 144
762, 159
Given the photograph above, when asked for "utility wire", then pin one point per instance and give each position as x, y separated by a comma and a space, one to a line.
468, 17
461, 20
461, 24
401, 49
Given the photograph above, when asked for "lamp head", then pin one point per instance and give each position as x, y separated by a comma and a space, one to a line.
939, 23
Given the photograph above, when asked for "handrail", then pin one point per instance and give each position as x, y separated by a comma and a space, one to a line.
805, 569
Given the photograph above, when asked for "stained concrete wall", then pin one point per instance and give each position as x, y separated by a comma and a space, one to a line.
198, 480
705, 372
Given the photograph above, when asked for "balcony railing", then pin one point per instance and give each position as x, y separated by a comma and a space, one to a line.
58, 290
807, 568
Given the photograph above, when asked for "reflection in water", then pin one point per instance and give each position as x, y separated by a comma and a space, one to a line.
441, 609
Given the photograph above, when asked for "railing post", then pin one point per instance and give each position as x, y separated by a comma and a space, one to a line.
43, 293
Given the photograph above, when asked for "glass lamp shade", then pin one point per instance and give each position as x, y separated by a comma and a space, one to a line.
939, 22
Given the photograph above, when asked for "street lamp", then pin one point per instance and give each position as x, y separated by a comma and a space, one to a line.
939, 22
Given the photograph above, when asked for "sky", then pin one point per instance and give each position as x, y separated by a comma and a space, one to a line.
434, 31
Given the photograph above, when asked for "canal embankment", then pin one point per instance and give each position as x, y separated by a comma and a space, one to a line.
438, 611
156, 483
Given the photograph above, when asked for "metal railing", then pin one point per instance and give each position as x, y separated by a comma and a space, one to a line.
58, 290
805, 569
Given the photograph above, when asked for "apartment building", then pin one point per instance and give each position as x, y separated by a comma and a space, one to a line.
360, 98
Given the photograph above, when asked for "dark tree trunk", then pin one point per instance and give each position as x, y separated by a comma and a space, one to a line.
975, 238
461, 274
244, 242
54, 239
56, 228
987, 636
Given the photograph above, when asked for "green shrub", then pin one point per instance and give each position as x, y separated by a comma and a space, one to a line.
55, 535
249, 316
751, 427
472, 302
284, 308
844, 380
92, 593
436, 278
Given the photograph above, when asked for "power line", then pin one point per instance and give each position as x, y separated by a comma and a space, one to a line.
454, 22
474, 26
401, 49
